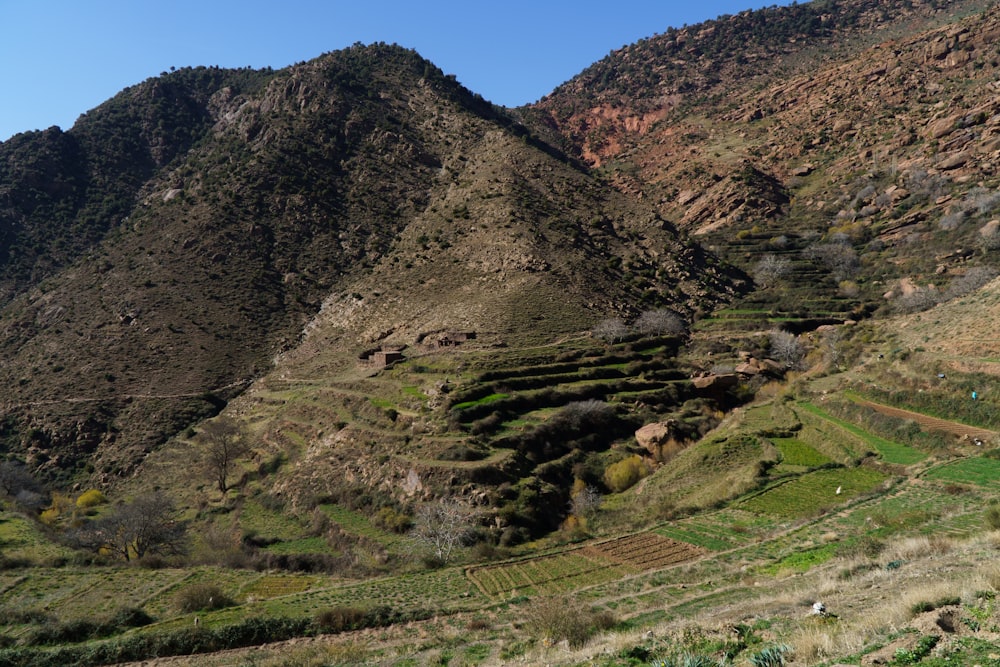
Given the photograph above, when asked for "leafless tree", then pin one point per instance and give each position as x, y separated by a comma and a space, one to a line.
787, 349
838, 256
586, 502
443, 526
224, 444
611, 330
660, 322
770, 269
19, 484
970, 281
14, 478
832, 353
148, 525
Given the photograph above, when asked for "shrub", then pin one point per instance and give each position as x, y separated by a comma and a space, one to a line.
772, 656
686, 660
131, 617
90, 498
623, 474
993, 516
389, 518
911, 657
202, 597
340, 619
558, 619
76, 630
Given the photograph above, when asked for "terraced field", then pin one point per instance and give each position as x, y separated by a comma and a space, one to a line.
794, 522
934, 423
808, 494
982, 472
722, 530
547, 575
645, 551
889, 451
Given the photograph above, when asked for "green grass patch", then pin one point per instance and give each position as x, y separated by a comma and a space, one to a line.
548, 575
810, 493
798, 453
415, 392
356, 523
978, 471
305, 545
270, 586
21, 538
710, 542
802, 561
275, 523
485, 400
891, 452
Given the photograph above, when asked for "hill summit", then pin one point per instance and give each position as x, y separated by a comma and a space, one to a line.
163, 252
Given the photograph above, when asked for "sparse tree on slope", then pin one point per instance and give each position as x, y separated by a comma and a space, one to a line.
148, 525
442, 527
787, 349
770, 269
661, 322
224, 444
611, 330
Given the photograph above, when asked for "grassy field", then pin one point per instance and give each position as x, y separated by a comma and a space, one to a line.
982, 472
813, 492
891, 452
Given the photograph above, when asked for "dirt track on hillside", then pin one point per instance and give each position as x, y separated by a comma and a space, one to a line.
933, 423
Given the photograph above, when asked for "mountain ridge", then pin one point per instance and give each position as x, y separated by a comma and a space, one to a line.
307, 182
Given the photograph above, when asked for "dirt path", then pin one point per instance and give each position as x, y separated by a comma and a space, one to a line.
932, 423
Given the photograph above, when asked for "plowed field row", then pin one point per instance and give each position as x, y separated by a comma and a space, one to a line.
645, 551
551, 574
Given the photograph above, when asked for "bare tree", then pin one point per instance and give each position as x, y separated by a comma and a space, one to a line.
225, 444
443, 526
787, 349
611, 330
770, 269
586, 502
838, 256
660, 322
148, 525
18, 483
14, 478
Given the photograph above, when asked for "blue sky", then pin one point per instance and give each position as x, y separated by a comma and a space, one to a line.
60, 58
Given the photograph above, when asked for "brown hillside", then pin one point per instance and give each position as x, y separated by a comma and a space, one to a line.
363, 180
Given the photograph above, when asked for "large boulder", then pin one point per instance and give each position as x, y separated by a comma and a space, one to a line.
719, 382
659, 439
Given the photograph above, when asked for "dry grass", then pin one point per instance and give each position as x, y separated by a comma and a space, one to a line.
920, 546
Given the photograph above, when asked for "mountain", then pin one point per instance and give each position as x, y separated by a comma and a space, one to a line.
855, 139
694, 360
162, 252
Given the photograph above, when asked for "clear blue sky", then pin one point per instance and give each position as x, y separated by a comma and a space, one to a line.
60, 58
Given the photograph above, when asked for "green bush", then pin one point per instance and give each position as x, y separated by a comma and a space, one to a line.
90, 498
911, 657
993, 516
391, 519
623, 474
772, 656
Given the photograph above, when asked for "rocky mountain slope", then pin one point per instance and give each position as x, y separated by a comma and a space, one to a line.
866, 125
208, 228
163, 251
